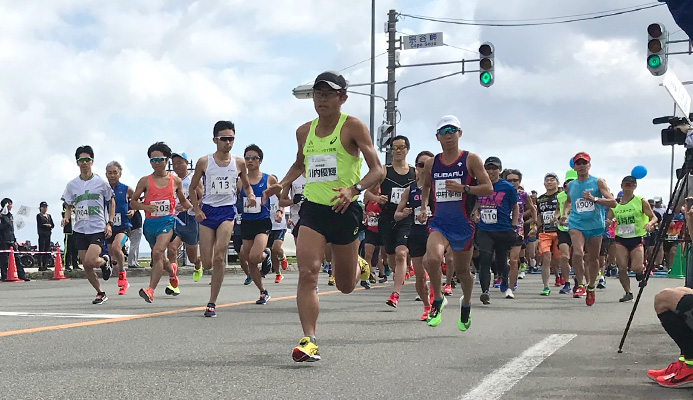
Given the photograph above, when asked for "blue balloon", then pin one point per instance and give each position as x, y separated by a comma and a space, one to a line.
572, 164
639, 172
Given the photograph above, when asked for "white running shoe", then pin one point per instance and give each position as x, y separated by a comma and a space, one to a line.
509, 294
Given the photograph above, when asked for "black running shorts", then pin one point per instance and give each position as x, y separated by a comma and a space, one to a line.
337, 228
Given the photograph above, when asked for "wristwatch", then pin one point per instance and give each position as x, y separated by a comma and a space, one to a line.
467, 188
359, 188
110, 223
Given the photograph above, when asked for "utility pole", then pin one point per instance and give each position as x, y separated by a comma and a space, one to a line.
372, 126
390, 106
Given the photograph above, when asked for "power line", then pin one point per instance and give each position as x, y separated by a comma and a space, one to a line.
361, 62
460, 48
473, 23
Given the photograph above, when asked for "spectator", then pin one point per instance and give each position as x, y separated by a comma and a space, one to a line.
135, 237
658, 206
44, 225
7, 239
70, 260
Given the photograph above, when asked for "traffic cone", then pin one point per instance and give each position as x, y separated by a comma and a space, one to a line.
12, 269
58, 272
676, 270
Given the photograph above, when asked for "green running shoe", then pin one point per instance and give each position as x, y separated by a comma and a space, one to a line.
435, 315
546, 291
170, 290
463, 326
197, 274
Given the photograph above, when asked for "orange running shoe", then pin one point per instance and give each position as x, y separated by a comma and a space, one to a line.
671, 369
284, 263
147, 294
427, 309
589, 299
279, 278
123, 289
173, 279
121, 278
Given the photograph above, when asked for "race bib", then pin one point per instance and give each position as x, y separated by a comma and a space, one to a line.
372, 221
117, 220
489, 216
163, 208
251, 210
322, 168
224, 185
417, 211
443, 195
626, 230
547, 216
672, 238
81, 213
583, 205
396, 195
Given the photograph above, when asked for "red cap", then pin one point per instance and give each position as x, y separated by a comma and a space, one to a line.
581, 156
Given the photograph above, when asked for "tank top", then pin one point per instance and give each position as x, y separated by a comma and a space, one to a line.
393, 187
522, 199
220, 183
164, 199
120, 218
274, 207
414, 201
562, 197
328, 165
495, 211
546, 209
186, 191
584, 214
372, 221
451, 208
259, 211
630, 219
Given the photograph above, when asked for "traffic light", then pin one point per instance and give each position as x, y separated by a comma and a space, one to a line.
486, 64
657, 38
384, 135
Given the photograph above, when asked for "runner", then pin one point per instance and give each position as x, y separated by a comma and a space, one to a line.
631, 215
87, 194
186, 229
373, 240
395, 234
525, 205
121, 223
257, 222
586, 203
276, 237
499, 215
409, 207
216, 210
328, 152
547, 205
451, 175
564, 242
159, 189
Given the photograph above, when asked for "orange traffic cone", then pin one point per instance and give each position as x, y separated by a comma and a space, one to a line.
58, 273
12, 269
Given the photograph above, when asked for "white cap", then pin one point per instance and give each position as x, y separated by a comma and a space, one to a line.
449, 120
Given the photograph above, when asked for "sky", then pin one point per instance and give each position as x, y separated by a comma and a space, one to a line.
122, 75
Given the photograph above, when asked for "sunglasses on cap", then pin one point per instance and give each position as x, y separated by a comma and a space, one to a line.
84, 159
447, 130
226, 139
157, 159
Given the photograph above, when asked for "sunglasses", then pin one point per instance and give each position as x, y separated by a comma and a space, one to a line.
323, 94
84, 159
252, 158
226, 139
420, 164
448, 130
490, 167
581, 162
399, 147
157, 159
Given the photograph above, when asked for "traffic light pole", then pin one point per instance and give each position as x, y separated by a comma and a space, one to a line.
390, 103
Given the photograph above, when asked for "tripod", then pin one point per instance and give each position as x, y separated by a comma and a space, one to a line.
680, 188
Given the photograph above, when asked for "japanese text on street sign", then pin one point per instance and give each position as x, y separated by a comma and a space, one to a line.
422, 40
677, 92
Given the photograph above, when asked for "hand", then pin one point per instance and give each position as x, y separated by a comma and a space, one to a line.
407, 211
454, 186
650, 226
298, 197
130, 213
64, 222
343, 198
252, 201
150, 208
423, 215
272, 190
382, 199
608, 222
533, 231
562, 219
278, 216
289, 223
588, 196
200, 215
179, 208
108, 231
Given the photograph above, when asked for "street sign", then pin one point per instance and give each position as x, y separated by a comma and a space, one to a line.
677, 92
422, 40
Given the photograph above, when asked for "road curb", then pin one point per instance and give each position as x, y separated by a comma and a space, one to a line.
138, 272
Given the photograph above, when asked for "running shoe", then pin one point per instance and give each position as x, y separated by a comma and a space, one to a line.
210, 310
392, 300
497, 283
123, 289
170, 290
382, 279
366, 285
406, 276
562, 281
509, 294
411, 270
670, 370
173, 278
601, 284
447, 290
284, 263
444, 269
485, 298
558, 281
264, 298
121, 278
424, 316
372, 278
504, 285
330, 281
365, 269
682, 378
521, 275
626, 297
106, 268
197, 274
266, 264
436, 313
100, 298
464, 312
579, 292
387, 270
279, 278
306, 351
590, 298
147, 294
546, 291
566, 288
248, 280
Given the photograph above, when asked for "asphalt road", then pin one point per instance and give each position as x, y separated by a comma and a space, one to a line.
528, 348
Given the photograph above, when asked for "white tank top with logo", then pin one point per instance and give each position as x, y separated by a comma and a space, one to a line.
220, 183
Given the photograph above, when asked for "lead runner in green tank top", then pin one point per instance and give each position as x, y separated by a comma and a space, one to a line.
329, 150
634, 218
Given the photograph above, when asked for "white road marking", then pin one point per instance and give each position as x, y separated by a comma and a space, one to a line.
61, 315
503, 379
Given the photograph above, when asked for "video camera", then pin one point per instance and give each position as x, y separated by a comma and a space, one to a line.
674, 133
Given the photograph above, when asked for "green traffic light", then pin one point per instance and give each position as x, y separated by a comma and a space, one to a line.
485, 78
654, 61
